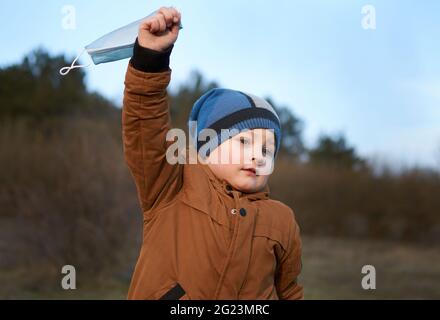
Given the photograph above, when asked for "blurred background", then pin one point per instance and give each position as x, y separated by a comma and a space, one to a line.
356, 85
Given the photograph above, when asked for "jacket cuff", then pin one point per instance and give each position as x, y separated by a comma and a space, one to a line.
149, 60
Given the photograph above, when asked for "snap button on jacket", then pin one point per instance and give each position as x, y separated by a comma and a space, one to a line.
202, 239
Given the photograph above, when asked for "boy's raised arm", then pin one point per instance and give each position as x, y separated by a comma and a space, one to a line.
145, 114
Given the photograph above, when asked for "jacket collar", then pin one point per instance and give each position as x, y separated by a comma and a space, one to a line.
223, 186
199, 177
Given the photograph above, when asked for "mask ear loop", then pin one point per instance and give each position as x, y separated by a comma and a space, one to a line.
65, 70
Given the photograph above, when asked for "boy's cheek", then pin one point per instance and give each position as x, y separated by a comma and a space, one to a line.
267, 169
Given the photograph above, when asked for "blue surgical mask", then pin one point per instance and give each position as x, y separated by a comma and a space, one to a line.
113, 46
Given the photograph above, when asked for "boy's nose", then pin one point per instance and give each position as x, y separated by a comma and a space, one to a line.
259, 161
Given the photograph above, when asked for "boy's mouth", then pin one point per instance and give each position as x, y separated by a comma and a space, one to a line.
250, 171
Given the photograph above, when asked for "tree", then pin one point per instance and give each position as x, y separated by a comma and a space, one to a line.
438, 156
335, 152
186, 95
291, 130
35, 89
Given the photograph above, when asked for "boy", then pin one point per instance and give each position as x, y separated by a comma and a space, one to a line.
210, 230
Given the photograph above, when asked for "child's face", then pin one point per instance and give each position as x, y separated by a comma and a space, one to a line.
234, 159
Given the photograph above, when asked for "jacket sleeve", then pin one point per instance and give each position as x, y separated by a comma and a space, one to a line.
289, 267
145, 123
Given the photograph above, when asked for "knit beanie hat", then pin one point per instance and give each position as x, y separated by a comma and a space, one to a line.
222, 108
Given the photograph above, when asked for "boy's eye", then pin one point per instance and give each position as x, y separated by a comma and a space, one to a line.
267, 151
244, 140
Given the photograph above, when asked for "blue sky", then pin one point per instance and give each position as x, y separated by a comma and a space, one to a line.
381, 87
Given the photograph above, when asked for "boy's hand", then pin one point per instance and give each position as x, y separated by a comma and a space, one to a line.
160, 31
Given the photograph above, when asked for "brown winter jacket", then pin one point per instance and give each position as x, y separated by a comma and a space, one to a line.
195, 246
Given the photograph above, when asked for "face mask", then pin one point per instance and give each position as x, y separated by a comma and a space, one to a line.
113, 46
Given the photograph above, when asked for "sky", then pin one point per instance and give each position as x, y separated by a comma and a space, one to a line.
378, 85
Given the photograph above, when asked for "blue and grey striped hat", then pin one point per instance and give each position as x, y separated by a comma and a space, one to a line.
229, 109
